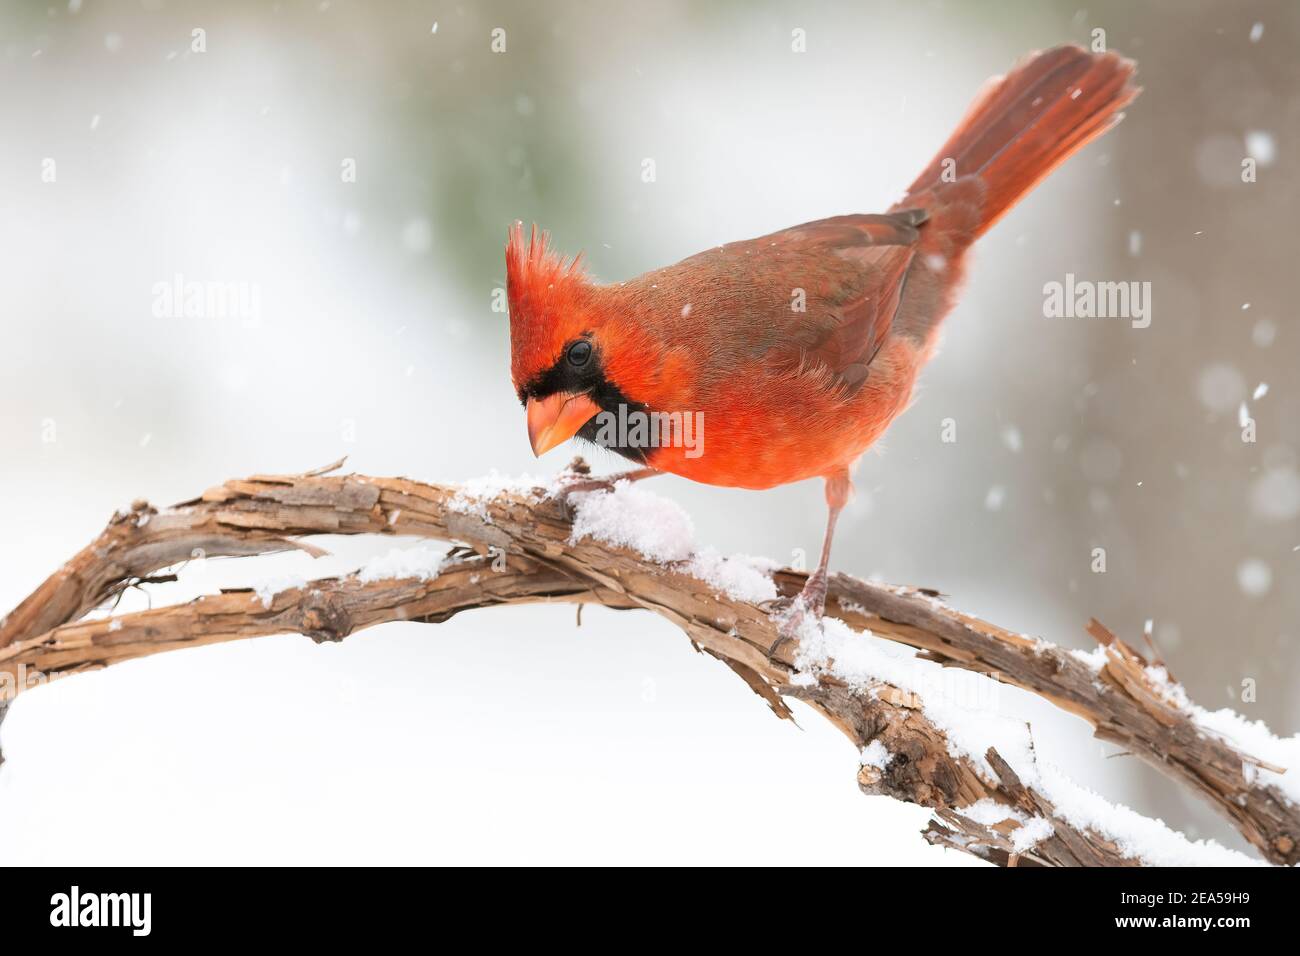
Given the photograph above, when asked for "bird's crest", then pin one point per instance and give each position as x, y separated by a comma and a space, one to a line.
546, 297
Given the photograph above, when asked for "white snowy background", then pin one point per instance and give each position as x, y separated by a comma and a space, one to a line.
511, 735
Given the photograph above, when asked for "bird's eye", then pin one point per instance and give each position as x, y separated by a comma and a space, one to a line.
579, 353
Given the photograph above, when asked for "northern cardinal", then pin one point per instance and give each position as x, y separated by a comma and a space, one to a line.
799, 347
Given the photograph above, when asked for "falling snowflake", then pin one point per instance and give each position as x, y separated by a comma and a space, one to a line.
1254, 577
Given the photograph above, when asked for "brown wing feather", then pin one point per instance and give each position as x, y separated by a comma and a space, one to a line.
742, 296
846, 323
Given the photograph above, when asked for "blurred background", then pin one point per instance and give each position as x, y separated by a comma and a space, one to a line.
351, 169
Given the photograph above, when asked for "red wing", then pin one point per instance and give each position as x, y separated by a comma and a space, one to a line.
823, 294
851, 310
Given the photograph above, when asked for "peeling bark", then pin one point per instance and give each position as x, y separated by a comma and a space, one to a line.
520, 552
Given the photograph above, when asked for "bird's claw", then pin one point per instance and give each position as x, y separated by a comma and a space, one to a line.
576, 481
570, 485
791, 616
577, 485
789, 624
781, 640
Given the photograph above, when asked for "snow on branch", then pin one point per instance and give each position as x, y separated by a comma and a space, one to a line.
879, 668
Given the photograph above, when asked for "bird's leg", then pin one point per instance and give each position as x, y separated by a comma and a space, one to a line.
812, 599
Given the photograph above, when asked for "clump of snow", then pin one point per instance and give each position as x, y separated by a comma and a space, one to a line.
1138, 837
422, 561
958, 702
1171, 692
1034, 832
989, 812
657, 528
875, 754
273, 585
739, 576
1094, 659
634, 518
473, 496
1251, 737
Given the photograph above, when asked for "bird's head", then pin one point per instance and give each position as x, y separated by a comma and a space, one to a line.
563, 340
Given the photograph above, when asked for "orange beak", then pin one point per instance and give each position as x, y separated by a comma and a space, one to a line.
557, 418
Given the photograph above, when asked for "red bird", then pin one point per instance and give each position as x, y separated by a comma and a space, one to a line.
800, 347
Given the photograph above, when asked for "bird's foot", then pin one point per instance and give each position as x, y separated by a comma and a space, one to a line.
804, 610
787, 631
568, 486
576, 482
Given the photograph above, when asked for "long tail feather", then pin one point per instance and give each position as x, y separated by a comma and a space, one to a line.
1024, 125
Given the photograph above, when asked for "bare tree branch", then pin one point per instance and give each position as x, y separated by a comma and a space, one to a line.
527, 555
